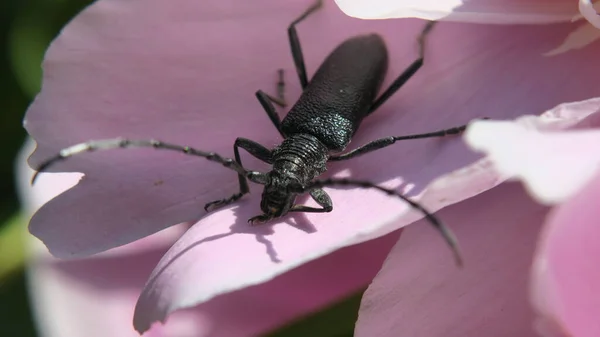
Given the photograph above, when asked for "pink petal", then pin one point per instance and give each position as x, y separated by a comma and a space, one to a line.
478, 11
49, 185
553, 165
95, 297
417, 293
567, 278
589, 12
124, 69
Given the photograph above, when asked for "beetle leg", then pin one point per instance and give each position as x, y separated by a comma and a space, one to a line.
407, 73
295, 43
280, 99
281, 89
387, 141
321, 197
256, 150
265, 100
259, 219
437, 224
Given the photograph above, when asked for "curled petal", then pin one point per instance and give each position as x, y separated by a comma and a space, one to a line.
553, 165
566, 278
579, 38
589, 12
478, 11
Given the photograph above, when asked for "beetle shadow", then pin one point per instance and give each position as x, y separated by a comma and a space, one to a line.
240, 226
261, 232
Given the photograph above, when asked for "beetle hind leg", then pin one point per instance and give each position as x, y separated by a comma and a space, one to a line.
408, 72
295, 42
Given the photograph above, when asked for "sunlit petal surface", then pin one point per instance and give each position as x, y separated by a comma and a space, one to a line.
553, 165
480, 11
589, 11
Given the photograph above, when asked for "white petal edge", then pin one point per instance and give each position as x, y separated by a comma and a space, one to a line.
548, 186
589, 12
448, 11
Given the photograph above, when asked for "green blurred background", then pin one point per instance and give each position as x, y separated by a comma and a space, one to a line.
26, 29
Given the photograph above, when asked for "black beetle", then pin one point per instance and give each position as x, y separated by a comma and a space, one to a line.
316, 130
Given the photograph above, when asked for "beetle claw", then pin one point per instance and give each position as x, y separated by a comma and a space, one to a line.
259, 219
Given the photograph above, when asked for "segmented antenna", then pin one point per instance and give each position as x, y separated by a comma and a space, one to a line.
446, 233
114, 143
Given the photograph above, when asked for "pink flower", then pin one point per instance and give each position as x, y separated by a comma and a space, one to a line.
186, 73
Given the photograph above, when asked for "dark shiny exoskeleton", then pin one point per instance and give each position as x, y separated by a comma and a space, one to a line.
322, 122
341, 93
317, 129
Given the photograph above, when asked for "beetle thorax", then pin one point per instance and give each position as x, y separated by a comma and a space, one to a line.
301, 158
297, 161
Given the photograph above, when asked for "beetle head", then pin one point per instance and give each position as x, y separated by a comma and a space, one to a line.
278, 196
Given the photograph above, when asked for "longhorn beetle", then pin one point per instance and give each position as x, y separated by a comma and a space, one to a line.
316, 130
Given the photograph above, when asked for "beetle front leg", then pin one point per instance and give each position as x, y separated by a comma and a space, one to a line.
256, 150
321, 197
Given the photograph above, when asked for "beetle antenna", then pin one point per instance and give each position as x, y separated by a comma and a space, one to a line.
446, 233
116, 143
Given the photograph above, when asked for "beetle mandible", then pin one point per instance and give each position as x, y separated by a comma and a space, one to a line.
319, 126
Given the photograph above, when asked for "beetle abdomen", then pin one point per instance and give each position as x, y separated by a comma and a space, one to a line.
340, 93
